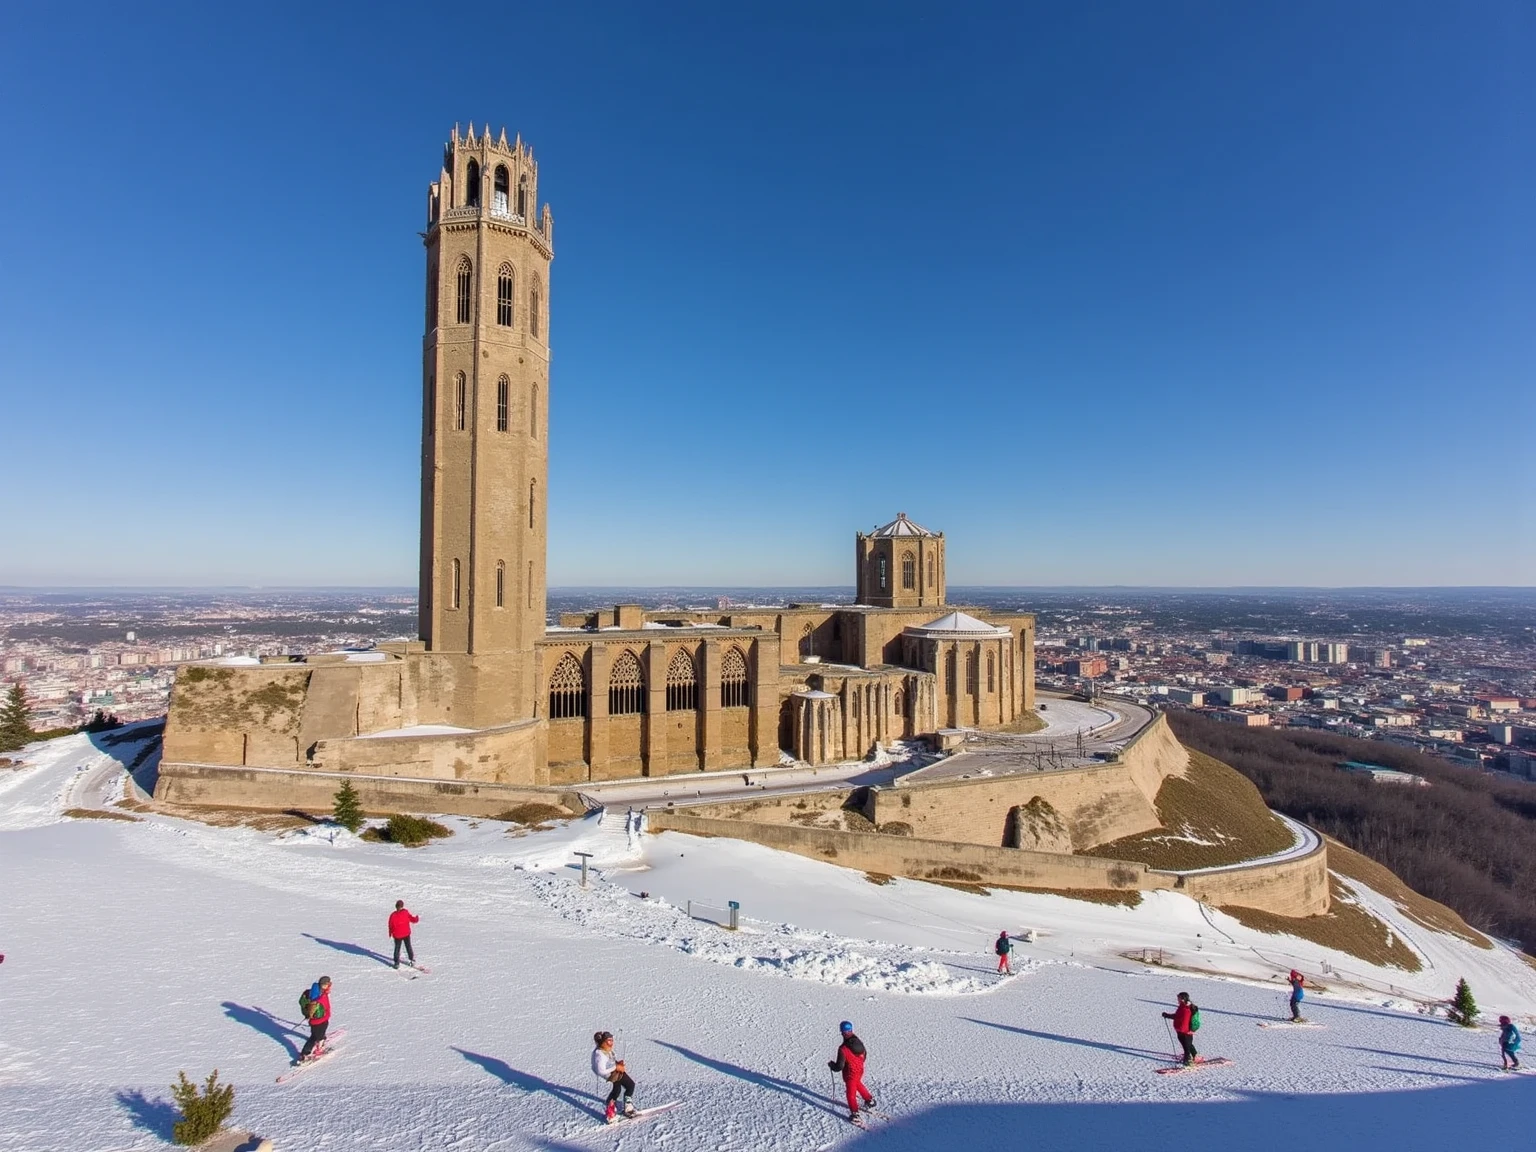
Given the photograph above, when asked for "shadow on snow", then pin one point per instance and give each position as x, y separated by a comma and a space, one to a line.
527, 1082
350, 949
798, 1092
265, 1023
155, 1116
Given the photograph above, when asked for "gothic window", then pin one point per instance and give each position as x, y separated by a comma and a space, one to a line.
533, 488
503, 402
533, 412
460, 402
883, 573
626, 686
499, 196
908, 571
466, 278
807, 642
682, 683
533, 308
896, 702
472, 184
567, 689
930, 572
733, 679
991, 673
453, 601
501, 584
522, 196
504, 282
970, 673
856, 696
949, 672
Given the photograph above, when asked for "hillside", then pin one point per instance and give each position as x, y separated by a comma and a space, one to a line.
1468, 841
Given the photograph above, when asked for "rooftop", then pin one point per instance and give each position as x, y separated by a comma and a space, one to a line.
901, 526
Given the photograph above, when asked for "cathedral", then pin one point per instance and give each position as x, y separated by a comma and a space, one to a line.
491, 693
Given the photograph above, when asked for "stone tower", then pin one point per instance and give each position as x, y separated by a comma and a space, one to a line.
485, 422
900, 565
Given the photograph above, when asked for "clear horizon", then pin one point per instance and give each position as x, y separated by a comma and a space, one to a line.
1203, 297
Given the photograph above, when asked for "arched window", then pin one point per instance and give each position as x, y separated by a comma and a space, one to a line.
503, 403
522, 196
567, 689
896, 702
626, 686
807, 641
460, 402
949, 671
733, 679
466, 286
682, 683
472, 184
991, 673
504, 287
856, 696
533, 412
453, 600
884, 575
501, 584
499, 195
533, 496
908, 571
533, 307
930, 572
970, 673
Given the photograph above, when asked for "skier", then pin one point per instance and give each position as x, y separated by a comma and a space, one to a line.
1298, 993
315, 1004
851, 1055
607, 1068
1184, 1025
1509, 1043
400, 921
1003, 947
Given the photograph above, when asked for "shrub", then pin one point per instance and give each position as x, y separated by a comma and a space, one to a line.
1463, 1006
532, 812
408, 831
203, 1113
347, 810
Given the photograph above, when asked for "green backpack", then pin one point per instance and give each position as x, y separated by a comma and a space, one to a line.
1194, 1019
307, 1006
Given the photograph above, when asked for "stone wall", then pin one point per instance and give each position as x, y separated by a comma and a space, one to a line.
510, 754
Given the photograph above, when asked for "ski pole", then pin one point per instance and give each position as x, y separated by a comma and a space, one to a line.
1171, 1040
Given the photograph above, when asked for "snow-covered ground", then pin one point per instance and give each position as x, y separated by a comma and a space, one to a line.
137, 949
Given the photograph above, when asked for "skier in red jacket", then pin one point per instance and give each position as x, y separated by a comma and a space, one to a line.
400, 921
851, 1055
316, 1006
1183, 1018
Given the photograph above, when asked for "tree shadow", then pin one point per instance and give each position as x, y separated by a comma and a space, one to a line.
1204, 1011
528, 1082
350, 949
156, 1116
797, 1092
1118, 1049
265, 1023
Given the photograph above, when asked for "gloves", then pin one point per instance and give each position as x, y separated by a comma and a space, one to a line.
832, 1065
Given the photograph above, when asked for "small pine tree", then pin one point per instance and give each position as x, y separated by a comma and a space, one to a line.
203, 1113
15, 720
1463, 1007
347, 811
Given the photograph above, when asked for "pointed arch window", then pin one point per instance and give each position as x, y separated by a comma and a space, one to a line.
807, 641
883, 575
534, 303
453, 598
682, 683
466, 279
522, 196
568, 689
733, 679
533, 412
949, 672
503, 404
626, 686
472, 184
501, 584
908, 571
991, 673
499, 194
504, 288
930, 572
896, 702
460, 402
970, 673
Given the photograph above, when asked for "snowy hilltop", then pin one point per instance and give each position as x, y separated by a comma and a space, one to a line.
140, 944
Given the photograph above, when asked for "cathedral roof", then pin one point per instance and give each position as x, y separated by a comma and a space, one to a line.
901, 526
956, 626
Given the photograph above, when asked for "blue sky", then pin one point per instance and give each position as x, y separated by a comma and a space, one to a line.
1193, 294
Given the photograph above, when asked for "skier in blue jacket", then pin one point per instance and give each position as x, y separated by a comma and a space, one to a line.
1509, 1043
1298, 993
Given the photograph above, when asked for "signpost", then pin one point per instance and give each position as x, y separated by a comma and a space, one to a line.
585, 856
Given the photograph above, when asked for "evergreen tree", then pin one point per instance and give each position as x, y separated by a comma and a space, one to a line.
347, 811
15, 724
203, 1113
1463, 1007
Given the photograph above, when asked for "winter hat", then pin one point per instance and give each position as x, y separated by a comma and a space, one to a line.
845, 1027
1503, 1019
1294, 973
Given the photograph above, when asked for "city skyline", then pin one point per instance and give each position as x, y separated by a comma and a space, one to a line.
1120, 299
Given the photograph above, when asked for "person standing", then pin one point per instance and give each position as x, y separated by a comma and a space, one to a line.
1509, 1044
315, 1004
608, 1068
1185, 1019
1298, 993
1003, 948
851, 1055
400, 921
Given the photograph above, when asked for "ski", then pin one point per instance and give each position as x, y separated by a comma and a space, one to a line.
330, 1047
411, 971
622, 1120
1290, 1024
1174, 1070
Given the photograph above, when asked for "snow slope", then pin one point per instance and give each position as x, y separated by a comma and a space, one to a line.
136, 949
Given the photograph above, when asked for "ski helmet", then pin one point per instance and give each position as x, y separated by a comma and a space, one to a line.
845, 1027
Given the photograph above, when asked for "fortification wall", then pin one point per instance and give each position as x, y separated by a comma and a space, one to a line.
1298, 887
510, 754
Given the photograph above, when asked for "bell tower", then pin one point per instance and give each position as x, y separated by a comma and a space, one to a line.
899, 565
485, 419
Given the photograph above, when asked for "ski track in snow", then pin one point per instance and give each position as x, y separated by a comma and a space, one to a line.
135, 950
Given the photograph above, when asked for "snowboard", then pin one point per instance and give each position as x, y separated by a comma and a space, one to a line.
331, 1041
640, 1114
1290, 1024
1213, 1062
